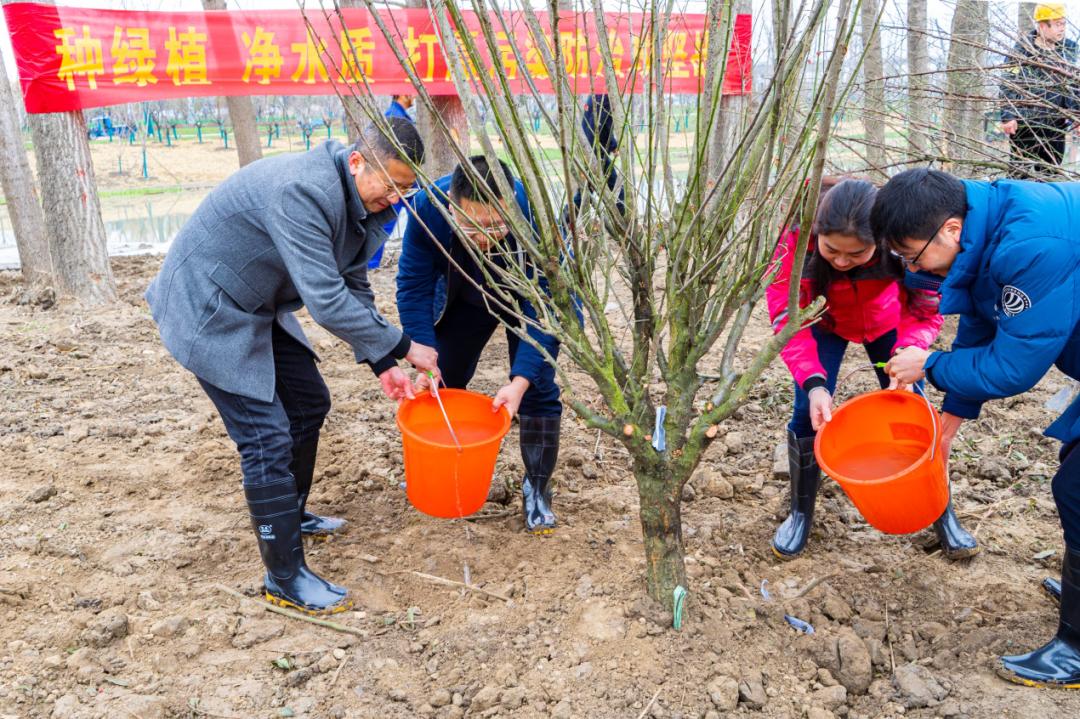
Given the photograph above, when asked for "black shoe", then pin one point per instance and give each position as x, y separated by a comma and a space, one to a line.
539, 452
288, 581
1057, 663
303, 469
790, 538
956, 542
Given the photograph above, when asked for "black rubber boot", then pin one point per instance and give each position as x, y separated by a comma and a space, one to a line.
539, 452
1057, 663
288, 581
790, 538
956, 542
303, 468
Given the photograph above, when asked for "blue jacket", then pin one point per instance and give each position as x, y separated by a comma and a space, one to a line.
1016, 287
426, 286
396, 109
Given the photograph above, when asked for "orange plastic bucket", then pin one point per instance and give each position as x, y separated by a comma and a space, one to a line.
440, 480
881, 448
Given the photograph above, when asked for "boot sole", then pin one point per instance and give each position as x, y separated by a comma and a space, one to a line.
781, 556
961, 553
341, 606
1017, 679
542, 531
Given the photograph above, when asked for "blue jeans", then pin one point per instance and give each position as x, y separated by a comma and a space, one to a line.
266, 432
831, 348
460, 338
1066, 488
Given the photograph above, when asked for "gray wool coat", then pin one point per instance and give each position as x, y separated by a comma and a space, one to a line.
281, 233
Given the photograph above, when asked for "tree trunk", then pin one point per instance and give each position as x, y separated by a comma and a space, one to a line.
733, 109
241, 115
73, 226
1025, 18
918, 121
355, 120
661, 528
439, 157
963, 102
77, 241
873, 115
354, 116
17, 182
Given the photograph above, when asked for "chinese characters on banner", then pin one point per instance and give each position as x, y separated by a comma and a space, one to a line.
72, 58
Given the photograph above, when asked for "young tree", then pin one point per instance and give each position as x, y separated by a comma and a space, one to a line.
684, 259
17, 182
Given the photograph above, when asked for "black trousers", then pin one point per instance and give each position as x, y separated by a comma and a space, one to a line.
266, 432
460, 338
1035, 151
1066, 488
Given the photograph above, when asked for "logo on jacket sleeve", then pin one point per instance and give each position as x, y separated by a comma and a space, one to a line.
1014, 301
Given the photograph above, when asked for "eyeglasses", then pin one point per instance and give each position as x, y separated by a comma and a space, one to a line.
914, 261
395, 190
472, 230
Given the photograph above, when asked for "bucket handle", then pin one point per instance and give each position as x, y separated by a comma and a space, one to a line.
914, 388
933, 418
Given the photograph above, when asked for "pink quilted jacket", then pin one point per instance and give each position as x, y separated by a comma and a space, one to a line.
861, 306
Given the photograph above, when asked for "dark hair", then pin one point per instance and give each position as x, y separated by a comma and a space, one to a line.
463, 185
375, 144
915, 203
843, 209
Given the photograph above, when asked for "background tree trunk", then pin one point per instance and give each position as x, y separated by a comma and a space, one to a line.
439, 157
918, 120
963, 123
873, 115
77, 241
355, 120
733, 108
241, 115
73, 226
1025, 20
17, 182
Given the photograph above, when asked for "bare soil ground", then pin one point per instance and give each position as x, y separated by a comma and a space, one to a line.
120, 510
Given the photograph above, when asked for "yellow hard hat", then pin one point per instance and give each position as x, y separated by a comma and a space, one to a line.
1049, 11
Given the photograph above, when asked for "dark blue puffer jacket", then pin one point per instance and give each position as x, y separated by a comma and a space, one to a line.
426, 283
1016, 287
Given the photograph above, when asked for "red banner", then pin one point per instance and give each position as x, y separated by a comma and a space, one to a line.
72, 58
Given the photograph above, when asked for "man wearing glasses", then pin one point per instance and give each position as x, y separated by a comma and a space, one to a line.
1010, 260
283, 233
444, 299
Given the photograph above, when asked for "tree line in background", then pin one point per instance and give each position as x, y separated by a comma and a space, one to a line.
920, 93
